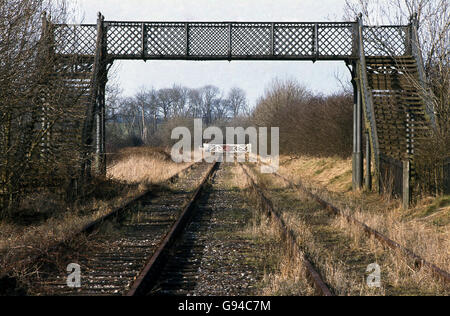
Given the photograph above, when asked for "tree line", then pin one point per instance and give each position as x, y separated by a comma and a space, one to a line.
146, 117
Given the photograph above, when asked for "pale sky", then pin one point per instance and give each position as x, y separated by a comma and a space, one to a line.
252, 76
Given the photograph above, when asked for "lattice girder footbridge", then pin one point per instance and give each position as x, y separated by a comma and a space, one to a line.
352, 42
230, 40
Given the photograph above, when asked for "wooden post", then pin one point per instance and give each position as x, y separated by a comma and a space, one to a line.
406, 189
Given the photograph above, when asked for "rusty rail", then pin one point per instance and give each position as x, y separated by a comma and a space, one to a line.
115, 212
90, 227
418, 261
149, 274
313, 275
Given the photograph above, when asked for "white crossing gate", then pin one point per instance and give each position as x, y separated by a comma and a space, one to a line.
227, 148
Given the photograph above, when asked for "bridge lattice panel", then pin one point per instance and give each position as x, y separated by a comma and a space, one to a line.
227, 40
385, 41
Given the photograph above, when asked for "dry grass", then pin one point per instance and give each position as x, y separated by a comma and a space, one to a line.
144, 165
288, 277
332, 173
425, 228
397, 268
136, 168
341, 279
336, 274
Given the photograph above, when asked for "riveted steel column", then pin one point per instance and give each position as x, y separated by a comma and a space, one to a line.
98, 87
357, 159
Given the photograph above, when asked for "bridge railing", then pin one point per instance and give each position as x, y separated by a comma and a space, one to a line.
75, 39
231, 40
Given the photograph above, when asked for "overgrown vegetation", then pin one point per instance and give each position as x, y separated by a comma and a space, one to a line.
309, 124
42, 219
38, 111
423, 229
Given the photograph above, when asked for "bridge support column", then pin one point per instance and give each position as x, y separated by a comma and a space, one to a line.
100, 151
357, 159
368, 177
94, 125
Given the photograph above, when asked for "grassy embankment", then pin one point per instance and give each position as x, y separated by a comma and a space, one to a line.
44, 219
424, 228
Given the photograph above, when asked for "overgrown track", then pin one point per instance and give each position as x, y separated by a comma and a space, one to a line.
267, 206
419, 261
150, 274
122, 242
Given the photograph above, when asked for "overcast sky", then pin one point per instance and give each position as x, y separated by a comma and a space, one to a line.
252, 76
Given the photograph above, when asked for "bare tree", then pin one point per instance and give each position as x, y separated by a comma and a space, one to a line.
179, 96
165, 102
309, 124
210, 95
237, 102
38, 110
195, 103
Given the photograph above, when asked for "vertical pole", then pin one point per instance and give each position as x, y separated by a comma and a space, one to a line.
100, 159
143, 40
229, 42
92, 111
357, 161
187, 38
406, 192
316, 41
408, 38
43, 55
368, 164
98, 137
359, 129
272, 39
103, 129
100, 154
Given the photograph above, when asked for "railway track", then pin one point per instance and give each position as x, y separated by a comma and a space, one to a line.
131, 235
158, 245
419, 262
208, 257
151, 272
267, 206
